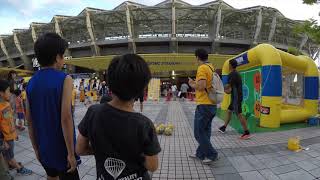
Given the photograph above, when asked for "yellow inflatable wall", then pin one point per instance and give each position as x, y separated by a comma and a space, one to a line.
273, 112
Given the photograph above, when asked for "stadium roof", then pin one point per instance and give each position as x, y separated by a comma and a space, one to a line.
138, 28
214, 3
91, 10
124, 4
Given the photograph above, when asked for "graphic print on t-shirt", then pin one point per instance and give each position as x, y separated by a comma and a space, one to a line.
114, 167
108, 129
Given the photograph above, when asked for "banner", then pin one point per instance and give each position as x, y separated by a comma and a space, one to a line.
242, 59
157, 62
154, 89
251, 90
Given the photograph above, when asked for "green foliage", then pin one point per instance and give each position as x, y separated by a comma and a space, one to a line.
294, 51
310, 2
310, 28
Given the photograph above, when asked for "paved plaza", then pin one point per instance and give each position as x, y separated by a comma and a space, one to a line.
263, 157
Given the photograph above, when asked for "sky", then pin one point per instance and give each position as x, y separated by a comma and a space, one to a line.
15, 14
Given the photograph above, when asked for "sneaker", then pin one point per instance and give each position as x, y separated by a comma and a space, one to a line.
245, 136
207, 161
222, 129
24, 171
193, 156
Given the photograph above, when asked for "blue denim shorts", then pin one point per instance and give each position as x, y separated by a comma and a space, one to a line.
20, 116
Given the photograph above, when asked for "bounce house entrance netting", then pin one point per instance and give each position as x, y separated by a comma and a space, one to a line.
292, 87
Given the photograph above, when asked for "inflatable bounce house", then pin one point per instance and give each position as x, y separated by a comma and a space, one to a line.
278, 88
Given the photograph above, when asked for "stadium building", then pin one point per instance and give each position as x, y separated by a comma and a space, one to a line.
166, 34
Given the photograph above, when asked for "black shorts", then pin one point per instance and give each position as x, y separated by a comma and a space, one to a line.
9, 153
235, 107
183, 95
62, 175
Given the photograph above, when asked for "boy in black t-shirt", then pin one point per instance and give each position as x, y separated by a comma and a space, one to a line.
124, 143
234, 87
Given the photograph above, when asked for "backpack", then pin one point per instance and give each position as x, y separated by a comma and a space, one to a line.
216, 91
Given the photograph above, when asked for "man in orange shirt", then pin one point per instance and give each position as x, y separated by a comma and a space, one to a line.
7, 128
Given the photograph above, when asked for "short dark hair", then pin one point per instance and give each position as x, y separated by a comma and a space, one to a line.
17, 92
47, 47
25, 85
128, 75
105, 99
3, 85
202, 54
10, 74
233, 63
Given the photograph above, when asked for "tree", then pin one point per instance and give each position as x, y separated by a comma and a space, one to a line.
293, 50
310, 2
312, 30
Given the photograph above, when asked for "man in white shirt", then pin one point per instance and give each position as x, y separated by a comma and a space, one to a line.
174, 90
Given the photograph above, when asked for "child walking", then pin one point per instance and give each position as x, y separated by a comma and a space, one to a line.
49, 115
7, 128
19, 110
4, 173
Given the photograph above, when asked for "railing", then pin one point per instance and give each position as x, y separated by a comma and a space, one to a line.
241, 35
264, 36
